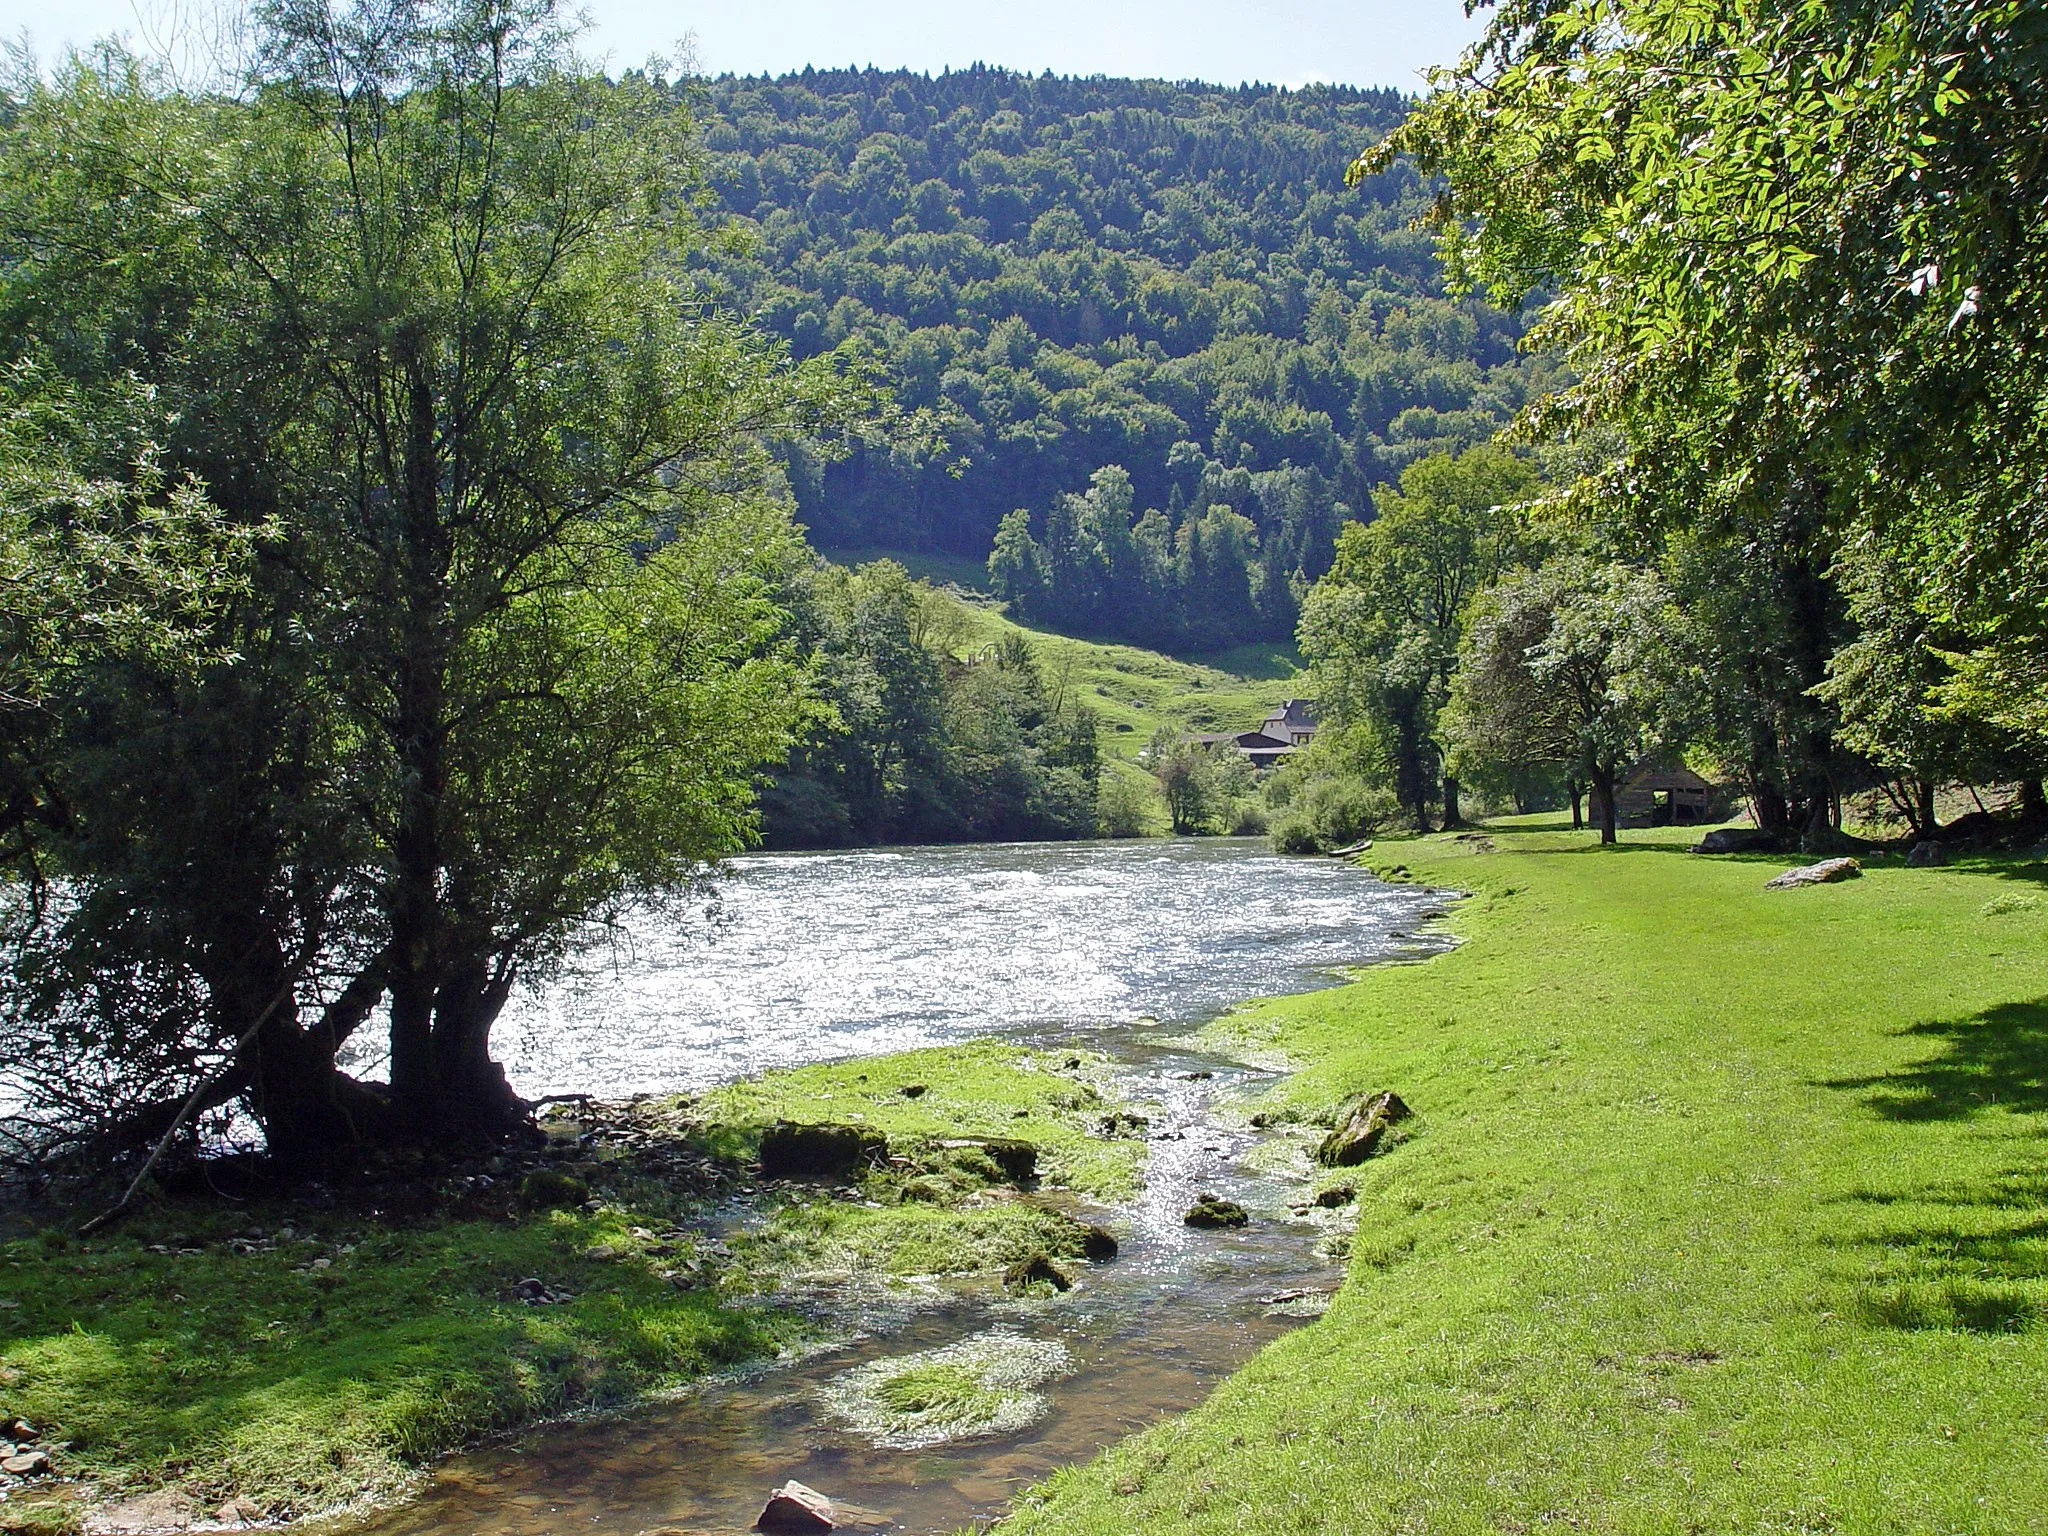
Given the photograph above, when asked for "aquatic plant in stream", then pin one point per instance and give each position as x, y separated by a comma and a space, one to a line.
983, 1385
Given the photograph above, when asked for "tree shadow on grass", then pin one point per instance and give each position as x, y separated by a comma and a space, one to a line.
1973, 1257
1994, 1059
2026, 871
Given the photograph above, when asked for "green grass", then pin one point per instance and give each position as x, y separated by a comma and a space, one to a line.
1134, 691
942, 1211
329, 1363
925, 565
981, 1088
930, 1389
1263, 661
1725, 1211
327, 1367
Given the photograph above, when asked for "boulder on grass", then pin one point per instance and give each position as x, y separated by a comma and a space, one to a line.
1212, 1211
1361, 1130
793, 1151
1735, 840
793, 1507
1927, 854
1826, 872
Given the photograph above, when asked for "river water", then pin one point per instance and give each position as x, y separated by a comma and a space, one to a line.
1119, 946
816, 956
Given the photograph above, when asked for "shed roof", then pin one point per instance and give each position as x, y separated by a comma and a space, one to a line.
1654, 776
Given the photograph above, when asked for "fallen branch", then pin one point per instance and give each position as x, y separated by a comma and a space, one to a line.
184, 1114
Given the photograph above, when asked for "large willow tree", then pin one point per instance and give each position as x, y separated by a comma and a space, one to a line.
412, 301
1798, 251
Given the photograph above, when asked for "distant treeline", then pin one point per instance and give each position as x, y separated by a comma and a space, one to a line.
1073, 275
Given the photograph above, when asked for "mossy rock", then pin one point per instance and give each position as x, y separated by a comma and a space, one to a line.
549, 1189
1027, 1274
1361, 1131
790, 1150
1210, 1212
1011, 1158
1098, 1243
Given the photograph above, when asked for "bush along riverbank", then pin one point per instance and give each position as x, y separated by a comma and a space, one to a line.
267, 1354
1720, 1209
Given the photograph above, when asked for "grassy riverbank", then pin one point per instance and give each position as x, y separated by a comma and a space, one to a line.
303, 1354
1726, 1210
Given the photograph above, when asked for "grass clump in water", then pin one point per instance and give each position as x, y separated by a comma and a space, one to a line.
984, 1385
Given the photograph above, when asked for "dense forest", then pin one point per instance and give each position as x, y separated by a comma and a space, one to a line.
1163, 351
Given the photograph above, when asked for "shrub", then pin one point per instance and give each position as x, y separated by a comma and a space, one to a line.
1326, 813
1295, 834
1123, 808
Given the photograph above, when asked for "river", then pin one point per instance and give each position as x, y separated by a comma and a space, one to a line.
816, 956
1123, 946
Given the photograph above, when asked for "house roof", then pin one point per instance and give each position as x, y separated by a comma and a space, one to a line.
1295, 714
1653, 776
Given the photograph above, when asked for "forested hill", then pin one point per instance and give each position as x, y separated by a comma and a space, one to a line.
1083, 273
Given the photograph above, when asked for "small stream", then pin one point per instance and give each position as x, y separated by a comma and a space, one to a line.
1147, 1334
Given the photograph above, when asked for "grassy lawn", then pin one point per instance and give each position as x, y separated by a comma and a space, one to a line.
1726, 1211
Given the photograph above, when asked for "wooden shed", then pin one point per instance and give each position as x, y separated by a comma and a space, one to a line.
1655, 793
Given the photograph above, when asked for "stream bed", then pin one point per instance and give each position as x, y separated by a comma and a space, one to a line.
1119, 947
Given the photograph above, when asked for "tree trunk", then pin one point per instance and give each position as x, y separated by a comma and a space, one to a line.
1411, 775
1452, 818
1573, 788
309, 1111
1924, 824
475, 1099
419, 729
1603, 801
2033, 803
1767, 807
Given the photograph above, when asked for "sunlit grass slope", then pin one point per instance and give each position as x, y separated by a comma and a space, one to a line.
1727, 1211
1134, 691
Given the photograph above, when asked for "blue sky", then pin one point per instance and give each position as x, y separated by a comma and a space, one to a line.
1355, 42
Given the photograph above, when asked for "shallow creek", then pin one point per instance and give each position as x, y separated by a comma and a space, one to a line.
1146, 1334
